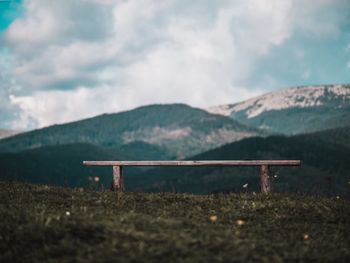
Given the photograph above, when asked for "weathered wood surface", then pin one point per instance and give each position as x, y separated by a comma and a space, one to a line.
196, 163
118, 180
264, 179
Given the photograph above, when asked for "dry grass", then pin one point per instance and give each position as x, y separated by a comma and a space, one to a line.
51, 224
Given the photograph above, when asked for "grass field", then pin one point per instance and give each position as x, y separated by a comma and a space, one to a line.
51, 224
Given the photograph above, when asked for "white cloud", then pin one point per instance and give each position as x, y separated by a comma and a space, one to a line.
75, 59
61, 106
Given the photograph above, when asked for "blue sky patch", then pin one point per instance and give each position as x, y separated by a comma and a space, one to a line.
9, 11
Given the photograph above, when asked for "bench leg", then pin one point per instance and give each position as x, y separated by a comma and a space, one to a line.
264, 177
118, 180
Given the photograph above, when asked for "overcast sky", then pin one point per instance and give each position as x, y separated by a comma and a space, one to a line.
66, 60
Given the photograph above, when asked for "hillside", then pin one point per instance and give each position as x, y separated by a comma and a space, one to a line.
325, 165
178, 129
340, 136
49, 224
55, 165
62, 164
325, 168
294, 110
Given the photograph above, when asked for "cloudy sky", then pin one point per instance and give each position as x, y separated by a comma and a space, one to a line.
65, 60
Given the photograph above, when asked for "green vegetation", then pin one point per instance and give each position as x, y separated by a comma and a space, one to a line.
325, 166
298, 120
339, 136
174, 129
51, 224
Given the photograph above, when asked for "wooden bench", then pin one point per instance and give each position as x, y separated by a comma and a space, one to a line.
118, 180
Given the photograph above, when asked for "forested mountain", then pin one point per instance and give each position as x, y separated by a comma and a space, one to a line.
177, 129
339, 136
63, 164
325, 166
55, 165
54, 155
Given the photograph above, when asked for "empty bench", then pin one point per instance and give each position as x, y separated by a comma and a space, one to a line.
118, 180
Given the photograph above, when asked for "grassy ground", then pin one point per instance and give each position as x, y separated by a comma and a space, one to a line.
50, 224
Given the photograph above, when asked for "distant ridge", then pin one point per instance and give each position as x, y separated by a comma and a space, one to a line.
294, 110
176, 129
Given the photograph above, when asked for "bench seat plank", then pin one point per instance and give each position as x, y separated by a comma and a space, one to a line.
196, 163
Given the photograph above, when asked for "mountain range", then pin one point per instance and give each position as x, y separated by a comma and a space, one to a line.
325, 166
308, 123
293, 111
177, 129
